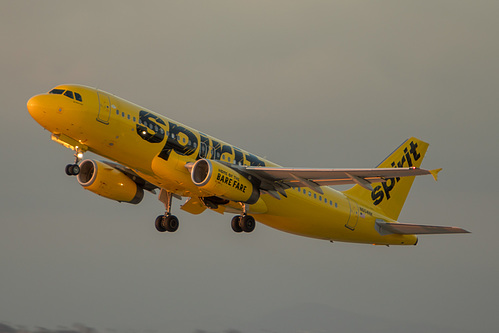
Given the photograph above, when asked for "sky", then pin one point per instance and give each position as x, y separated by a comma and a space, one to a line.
303, 83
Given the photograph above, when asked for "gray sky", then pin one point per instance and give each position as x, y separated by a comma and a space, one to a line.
304, 83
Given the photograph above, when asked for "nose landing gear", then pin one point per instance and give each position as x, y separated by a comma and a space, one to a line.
74, 169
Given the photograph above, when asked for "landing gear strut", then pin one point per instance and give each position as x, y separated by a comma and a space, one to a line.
243, 222
166, 222
74, 169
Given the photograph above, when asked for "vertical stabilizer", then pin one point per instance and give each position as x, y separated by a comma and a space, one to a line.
389, 197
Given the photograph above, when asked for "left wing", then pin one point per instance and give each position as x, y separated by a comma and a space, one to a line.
276, 179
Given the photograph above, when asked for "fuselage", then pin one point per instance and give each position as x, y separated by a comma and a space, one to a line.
159, 149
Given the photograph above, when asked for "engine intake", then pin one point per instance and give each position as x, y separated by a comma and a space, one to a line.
106, 181
222, 181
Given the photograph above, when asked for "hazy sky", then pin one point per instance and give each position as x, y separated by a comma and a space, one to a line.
304, 83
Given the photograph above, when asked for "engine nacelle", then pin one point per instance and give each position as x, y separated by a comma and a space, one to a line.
222, 181
109, 182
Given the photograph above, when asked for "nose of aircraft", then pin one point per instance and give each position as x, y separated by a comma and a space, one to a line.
37, 107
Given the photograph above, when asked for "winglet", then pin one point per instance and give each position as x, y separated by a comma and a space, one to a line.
435, 172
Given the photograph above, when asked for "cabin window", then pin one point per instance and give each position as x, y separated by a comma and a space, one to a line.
69, 94
78, 97
56, 91
128, 116
133, 119
118, 112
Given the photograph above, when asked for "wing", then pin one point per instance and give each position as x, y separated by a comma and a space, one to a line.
276, 179
385, 228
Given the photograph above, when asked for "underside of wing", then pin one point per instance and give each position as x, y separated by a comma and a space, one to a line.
416, 229
276, 178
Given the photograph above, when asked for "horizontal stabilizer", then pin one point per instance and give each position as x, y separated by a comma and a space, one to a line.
385, 228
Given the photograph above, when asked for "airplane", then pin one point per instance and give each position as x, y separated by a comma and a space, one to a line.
146, 151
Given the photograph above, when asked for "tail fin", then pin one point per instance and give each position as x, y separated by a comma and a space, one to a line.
389, 197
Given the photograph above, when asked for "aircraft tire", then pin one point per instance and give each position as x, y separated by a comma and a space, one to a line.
69, 169
170, 223
247, 223
159, 223
76, 169
72, 169
235, 224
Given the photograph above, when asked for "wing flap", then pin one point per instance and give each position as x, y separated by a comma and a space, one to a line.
416, 229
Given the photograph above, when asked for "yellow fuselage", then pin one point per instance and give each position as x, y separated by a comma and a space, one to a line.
158, 149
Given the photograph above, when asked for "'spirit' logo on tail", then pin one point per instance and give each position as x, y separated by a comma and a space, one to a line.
379, 193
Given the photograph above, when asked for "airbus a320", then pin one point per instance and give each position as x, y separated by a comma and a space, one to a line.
146, 151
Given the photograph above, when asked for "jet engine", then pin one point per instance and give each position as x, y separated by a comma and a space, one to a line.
222, 181
109, 182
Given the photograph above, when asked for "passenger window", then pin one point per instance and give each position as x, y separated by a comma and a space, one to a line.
78, 97
128, 116
56, 91
133, 119
69, 94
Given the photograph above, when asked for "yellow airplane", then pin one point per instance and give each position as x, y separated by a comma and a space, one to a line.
149, 151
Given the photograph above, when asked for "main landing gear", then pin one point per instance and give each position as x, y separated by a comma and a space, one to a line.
243, 222
74, 169
166, 222
170, 223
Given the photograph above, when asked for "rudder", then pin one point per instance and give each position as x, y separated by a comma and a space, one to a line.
389, 197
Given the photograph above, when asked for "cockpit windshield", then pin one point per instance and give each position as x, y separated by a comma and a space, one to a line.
67, 93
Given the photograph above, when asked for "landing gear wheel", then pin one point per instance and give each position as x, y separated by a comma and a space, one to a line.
247, 223
159, 223
76, 170
235, 224
170, 223
72, 169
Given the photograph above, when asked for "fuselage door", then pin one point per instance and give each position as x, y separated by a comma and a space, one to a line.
354, 215
104, 108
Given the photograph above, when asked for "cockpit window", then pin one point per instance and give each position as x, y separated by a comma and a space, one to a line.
56, 91
69, 94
